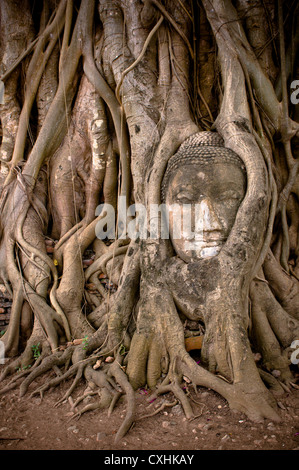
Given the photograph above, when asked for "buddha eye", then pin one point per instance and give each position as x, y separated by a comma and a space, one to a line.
229, 195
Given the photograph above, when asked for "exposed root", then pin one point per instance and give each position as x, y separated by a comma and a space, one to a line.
274, 385
74, 369
104, 402
46, 365
114, 401
176, 389
20, 374
90, 407
85, 395
79, 373
158, 410
122, 379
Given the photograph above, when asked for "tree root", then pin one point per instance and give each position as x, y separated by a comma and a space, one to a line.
122, 379
114, 401
74, 369
104, 402
46, 365
20, 375
176, 389
90, 407
158, 410
79, 373
82, 397
274, 385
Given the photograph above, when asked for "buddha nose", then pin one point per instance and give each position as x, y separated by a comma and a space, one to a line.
207, 219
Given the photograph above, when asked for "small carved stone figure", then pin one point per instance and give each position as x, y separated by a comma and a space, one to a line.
206, 182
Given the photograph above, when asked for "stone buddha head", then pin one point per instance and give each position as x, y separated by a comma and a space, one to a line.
206, 183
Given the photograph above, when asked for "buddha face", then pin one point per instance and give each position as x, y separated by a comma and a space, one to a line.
207, 197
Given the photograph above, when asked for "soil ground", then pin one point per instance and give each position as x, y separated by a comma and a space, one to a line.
29, 423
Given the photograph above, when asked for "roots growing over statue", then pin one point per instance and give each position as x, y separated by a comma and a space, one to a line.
109, 92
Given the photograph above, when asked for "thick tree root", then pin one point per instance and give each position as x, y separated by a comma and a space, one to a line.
122, 379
